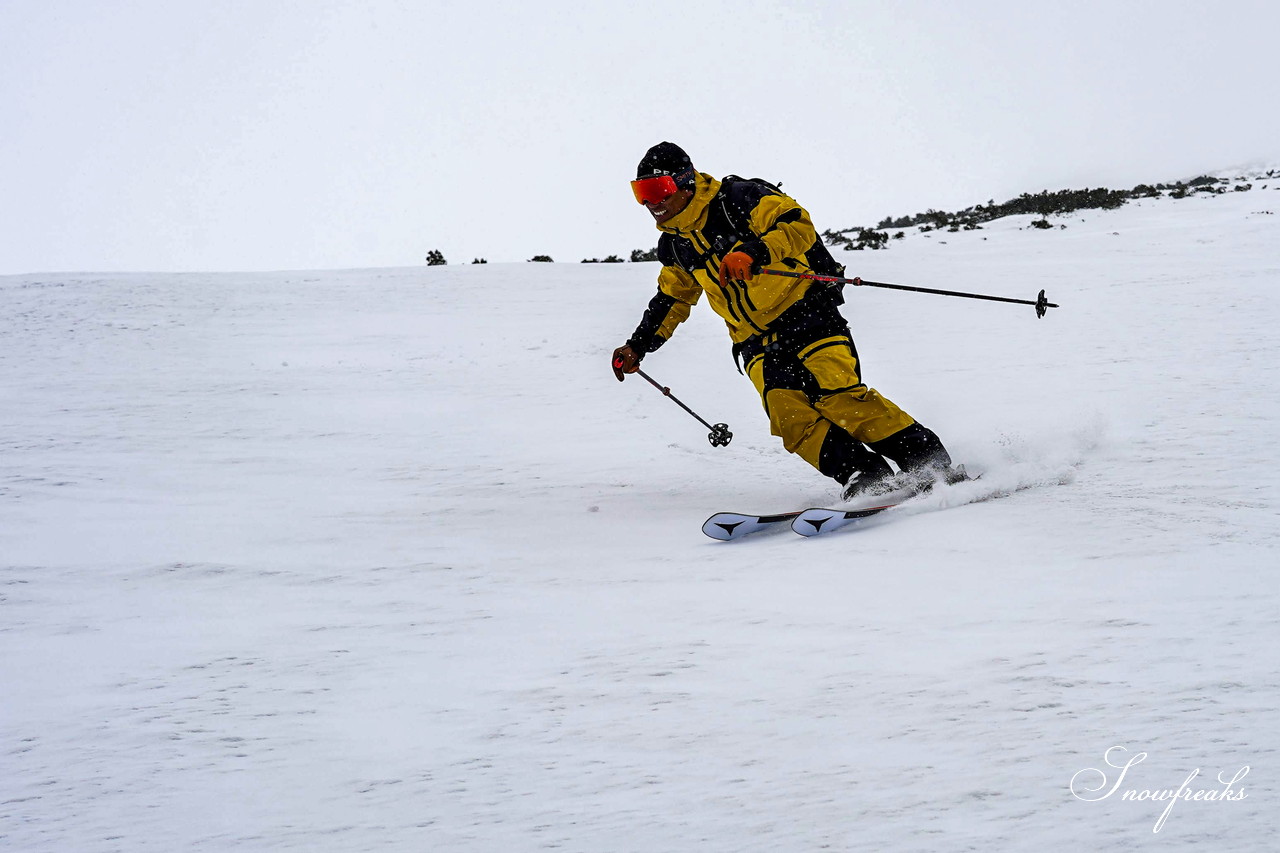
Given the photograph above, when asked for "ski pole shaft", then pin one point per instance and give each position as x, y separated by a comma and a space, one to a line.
1041, 304
719, 434
666, 392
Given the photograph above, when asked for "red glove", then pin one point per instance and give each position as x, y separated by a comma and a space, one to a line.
625, 360
736, 265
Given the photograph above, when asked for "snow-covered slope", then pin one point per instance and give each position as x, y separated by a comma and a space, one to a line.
387, 560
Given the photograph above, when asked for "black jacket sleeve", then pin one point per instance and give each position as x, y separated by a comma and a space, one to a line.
645, 339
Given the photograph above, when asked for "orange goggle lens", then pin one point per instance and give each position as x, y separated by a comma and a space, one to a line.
654, 190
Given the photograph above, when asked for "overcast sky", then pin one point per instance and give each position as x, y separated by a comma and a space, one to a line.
300, 134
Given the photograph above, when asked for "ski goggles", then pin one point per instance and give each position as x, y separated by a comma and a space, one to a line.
654, 190
658, 188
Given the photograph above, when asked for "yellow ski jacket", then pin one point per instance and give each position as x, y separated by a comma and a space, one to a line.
733, 214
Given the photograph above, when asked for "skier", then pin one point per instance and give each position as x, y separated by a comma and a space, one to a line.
788, 333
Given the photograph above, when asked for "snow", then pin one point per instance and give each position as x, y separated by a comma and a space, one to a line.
387, 559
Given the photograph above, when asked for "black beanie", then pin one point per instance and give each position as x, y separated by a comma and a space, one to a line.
667, 158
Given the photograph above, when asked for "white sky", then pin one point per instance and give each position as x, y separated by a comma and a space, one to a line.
276, 134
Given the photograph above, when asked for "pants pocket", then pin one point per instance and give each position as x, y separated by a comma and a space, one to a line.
833, 365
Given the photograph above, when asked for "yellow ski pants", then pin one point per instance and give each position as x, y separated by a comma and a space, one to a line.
816, 388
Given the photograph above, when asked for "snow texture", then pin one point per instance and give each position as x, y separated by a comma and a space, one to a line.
387, 560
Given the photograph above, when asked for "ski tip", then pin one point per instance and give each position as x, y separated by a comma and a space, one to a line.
812, 521
726, 526
818, 520
722, 529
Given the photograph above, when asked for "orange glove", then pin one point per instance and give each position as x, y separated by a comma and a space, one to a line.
736, 265
625, 360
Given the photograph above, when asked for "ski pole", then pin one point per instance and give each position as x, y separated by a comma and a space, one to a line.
1041, 303
719, 435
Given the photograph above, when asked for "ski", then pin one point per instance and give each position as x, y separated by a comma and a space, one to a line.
816, 520
726, 526
734, 525
819, 520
